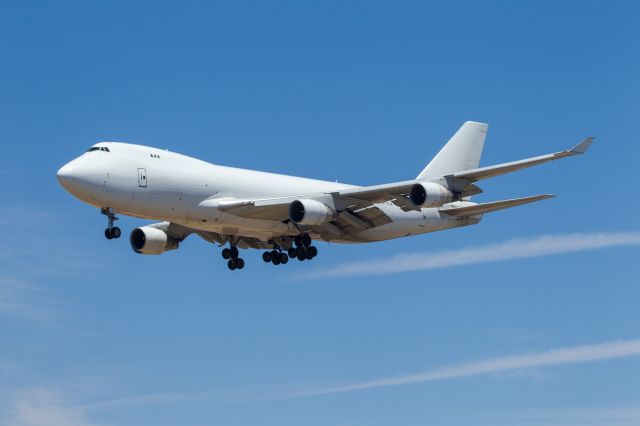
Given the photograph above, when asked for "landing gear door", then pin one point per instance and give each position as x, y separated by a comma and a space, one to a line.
142, 178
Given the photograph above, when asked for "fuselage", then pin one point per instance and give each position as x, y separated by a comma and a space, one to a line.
156, 184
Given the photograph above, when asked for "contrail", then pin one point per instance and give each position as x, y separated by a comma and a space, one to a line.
512, 249
558, 356
549, 358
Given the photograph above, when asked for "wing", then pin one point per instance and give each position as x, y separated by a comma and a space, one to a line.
356, 206
475, 209
354, 213
459, 181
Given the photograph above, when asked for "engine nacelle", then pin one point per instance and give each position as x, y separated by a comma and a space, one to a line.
310, 212
430, 194
150, 240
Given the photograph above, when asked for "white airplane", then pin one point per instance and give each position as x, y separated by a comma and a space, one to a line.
282, 214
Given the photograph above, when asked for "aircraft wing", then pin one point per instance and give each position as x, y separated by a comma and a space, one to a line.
460, 180
354, 211
356, 206
475, 209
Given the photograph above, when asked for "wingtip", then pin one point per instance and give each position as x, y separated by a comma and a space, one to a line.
583, 146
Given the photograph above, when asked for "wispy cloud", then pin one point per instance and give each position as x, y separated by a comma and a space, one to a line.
43, 407
20, 299
491, 367
33, 252
554, 357
512, 249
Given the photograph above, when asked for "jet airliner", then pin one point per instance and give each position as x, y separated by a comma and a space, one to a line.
283, 215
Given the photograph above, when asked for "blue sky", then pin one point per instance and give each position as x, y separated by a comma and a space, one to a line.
361, 92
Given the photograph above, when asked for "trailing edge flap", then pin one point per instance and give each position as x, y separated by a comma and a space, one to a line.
472, 210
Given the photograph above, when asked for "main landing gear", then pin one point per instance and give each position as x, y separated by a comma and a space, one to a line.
275, 256
301, 250
111, 231
231, 254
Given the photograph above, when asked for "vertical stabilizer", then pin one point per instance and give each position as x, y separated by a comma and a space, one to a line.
462, 152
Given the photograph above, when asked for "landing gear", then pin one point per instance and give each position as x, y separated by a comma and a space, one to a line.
303, 250
275, 256
234, 262
111, 231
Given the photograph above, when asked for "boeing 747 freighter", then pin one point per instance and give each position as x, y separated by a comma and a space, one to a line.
282, 215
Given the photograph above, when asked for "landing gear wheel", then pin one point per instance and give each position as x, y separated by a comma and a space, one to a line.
226, 253
311, 250
266, 256
276, 259
231, 264
115, 232
234, 252
107, 234
292, 252
302, 254
298, 240
239, 263
284, 259
306, 240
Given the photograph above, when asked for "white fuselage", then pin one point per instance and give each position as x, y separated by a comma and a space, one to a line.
156, 184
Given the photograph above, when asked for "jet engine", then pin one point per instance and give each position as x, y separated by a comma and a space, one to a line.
310, 212
150, 240
430, 194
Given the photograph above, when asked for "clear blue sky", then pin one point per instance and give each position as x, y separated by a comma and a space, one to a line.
361, 92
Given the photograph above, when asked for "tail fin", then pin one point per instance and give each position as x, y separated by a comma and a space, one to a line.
462, 152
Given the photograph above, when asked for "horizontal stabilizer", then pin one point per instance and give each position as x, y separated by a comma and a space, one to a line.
472, 210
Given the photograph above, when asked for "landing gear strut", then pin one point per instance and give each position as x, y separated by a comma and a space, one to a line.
111, 231
234, 262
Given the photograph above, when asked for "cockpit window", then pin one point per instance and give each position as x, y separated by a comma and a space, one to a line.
98, 148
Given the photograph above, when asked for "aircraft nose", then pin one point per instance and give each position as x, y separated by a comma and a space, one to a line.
65, 175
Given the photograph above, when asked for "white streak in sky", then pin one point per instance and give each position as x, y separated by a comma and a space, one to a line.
512, 249
553, 357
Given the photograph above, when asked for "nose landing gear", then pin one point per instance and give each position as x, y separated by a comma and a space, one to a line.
111, 231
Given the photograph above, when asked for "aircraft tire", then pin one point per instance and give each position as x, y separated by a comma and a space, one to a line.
233, 251
115, 232
313, 251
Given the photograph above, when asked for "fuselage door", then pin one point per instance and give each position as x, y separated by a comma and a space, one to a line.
142, 178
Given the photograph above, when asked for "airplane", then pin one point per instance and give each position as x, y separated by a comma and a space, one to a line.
282, 215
